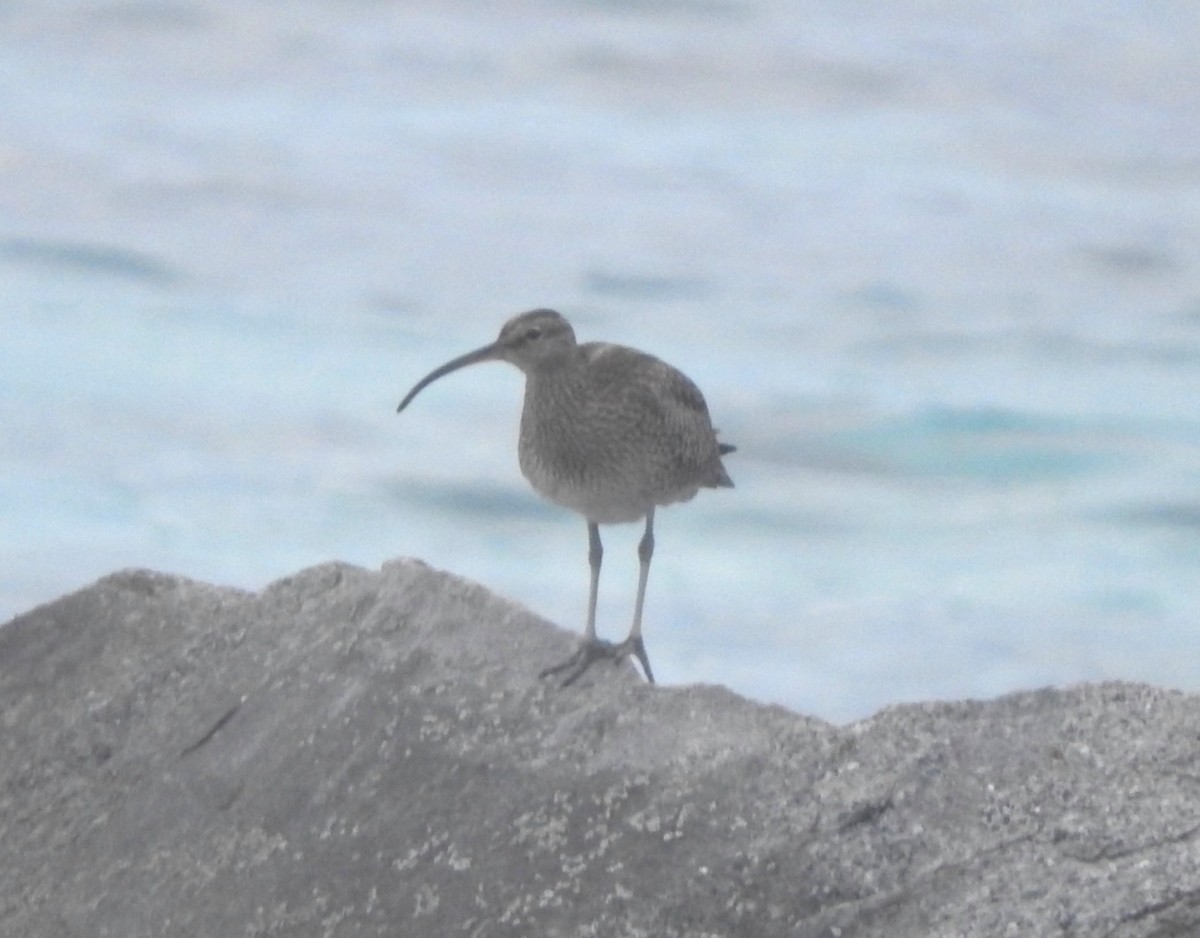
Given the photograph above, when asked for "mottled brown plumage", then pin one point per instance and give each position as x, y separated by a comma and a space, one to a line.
609, 432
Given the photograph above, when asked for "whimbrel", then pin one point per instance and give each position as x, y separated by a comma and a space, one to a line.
609, 432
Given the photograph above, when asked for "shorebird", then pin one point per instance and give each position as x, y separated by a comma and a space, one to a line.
609, 432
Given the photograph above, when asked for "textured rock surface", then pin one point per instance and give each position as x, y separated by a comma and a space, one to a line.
351, 753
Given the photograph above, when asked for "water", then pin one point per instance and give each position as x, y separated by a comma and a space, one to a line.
934, 266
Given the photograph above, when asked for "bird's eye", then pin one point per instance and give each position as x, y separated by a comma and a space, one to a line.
533, 333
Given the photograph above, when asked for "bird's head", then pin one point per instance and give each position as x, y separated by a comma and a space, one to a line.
531, 341
534, 339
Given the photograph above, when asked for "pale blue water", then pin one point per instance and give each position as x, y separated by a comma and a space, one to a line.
934, 266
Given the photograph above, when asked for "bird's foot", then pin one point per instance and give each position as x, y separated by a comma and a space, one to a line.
634, 644
588, 653
592, 651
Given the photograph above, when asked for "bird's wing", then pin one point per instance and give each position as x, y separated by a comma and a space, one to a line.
617, 370
651, 391
682, 390
652, 401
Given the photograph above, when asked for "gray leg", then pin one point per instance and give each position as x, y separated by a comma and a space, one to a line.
595, 556
634, 642
645, 552
592, 648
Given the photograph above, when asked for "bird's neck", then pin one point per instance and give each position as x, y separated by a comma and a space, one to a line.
563, 370
555, 389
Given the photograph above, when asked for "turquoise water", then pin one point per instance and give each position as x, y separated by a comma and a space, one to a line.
934, 268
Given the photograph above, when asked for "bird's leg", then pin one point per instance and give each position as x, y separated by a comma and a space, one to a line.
633, 643
595, 557
592, 648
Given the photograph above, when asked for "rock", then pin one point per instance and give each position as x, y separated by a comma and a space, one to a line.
351, 753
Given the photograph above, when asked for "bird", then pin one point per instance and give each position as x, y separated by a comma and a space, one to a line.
610, 432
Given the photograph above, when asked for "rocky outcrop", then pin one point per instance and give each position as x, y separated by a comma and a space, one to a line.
356, 753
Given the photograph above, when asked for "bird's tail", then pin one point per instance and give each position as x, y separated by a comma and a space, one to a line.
720, 478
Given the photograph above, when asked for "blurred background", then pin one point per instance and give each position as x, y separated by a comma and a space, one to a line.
936, 267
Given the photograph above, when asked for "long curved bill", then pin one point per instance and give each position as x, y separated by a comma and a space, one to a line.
486, 354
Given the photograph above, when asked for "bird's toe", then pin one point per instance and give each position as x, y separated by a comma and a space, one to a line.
592, 651
635, 646
585, 656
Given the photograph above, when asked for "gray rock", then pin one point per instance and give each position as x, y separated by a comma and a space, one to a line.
350, 753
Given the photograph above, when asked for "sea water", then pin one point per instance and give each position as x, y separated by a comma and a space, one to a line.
935, 266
